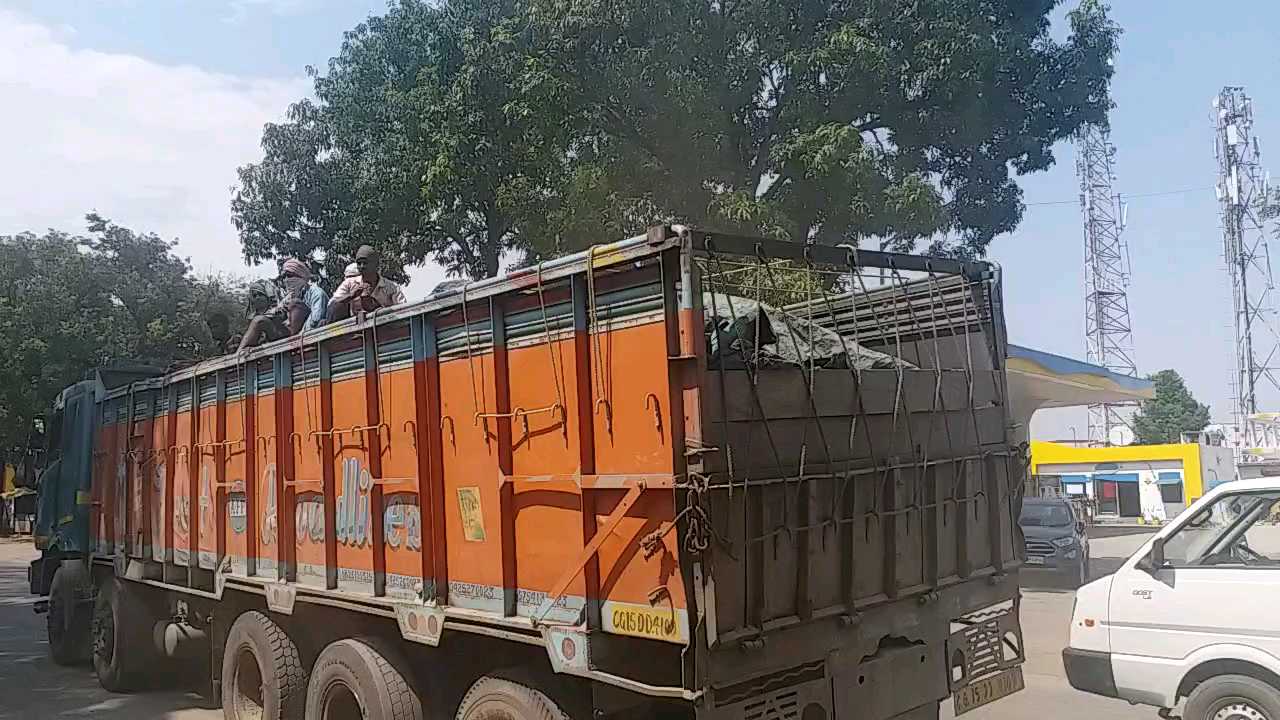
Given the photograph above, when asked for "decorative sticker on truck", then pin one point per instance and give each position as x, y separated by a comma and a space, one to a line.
472, 515
238, 509
122, 507
644, 621
402, 522
157, 511
354, 524
267, 534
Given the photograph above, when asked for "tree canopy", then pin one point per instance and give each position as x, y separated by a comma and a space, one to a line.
463, 130
71, 303
1170, 413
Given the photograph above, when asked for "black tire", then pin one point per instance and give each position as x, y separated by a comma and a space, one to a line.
262, 673
1254, 697
124, 652
353, 680
70, 616
493, 698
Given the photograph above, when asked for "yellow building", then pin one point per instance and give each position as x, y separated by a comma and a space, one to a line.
1114, 478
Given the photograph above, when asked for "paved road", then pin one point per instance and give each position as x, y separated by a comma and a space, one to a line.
32, 687
1046, 618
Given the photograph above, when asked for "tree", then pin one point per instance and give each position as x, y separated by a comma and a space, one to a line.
1170, 413
299, 201
69, 304
426, 140
837, 122
468, 129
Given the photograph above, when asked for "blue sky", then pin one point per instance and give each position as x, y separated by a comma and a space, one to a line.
142, 109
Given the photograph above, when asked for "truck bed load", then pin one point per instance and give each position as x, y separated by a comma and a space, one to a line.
630, 457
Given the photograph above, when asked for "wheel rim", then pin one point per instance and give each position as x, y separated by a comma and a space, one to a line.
247, 699
104, 634
340, 703
1236, 709
493, 708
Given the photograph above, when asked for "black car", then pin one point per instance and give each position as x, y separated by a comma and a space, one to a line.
1056, 539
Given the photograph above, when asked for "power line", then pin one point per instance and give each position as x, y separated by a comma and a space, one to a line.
1127, 197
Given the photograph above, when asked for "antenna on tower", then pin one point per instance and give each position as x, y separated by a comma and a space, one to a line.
1108, 329
1241, 190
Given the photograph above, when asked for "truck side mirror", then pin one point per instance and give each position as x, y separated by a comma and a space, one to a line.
1080, 527
1157, 554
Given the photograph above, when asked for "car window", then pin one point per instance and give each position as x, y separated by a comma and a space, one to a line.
1045, 515
1262, 537
1224, 532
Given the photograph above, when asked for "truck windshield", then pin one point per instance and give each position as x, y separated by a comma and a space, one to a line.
1044, 516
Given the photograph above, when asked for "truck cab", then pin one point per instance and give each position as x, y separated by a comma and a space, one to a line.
1190, 616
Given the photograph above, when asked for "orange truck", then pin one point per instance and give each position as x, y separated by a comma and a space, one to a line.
622, 483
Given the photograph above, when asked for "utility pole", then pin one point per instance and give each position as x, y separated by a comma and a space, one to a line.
1242, 194
1108, 328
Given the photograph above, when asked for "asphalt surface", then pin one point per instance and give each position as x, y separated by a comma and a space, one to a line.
32, 687
1046, 620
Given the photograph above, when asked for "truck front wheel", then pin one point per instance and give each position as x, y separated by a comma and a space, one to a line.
493, 698
1233, 697
70, 614
353, 680
262, 673
123, 650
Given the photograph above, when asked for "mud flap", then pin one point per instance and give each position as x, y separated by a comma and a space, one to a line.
899, 679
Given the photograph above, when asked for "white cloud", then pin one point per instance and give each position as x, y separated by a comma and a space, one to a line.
154, 147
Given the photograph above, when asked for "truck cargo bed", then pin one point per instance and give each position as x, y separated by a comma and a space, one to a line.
574, 456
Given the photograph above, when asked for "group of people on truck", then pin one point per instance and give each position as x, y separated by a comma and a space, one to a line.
297, 304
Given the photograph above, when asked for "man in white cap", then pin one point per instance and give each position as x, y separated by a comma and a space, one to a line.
366, 292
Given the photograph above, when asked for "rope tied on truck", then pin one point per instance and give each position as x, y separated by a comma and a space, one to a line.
478, 399
557, 372
698, 528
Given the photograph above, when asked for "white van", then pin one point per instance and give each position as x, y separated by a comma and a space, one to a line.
1194, 614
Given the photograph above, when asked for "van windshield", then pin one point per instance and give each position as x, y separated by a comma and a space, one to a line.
1044, 516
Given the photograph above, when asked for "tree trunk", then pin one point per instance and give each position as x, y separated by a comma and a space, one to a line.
491, 251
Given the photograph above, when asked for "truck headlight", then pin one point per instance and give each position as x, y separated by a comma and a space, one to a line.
1064, 542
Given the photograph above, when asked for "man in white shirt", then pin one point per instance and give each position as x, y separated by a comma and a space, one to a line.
365, 292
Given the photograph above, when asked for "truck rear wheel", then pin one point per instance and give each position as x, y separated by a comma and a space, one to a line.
493, 698
262, 673
70, 615
123, 650
353, 680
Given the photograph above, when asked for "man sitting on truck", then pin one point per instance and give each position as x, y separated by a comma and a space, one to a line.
301, 308
366, 292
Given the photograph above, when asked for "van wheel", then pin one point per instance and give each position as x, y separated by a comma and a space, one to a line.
353, 680
70, 615
123, 650
1233, 697
262, 674
493, 698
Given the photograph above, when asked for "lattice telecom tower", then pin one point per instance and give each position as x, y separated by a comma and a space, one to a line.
1242, 191
1108, 330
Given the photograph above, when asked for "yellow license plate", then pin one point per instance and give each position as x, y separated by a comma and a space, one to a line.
988, 690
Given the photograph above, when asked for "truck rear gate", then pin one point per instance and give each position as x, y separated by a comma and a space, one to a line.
606, 455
